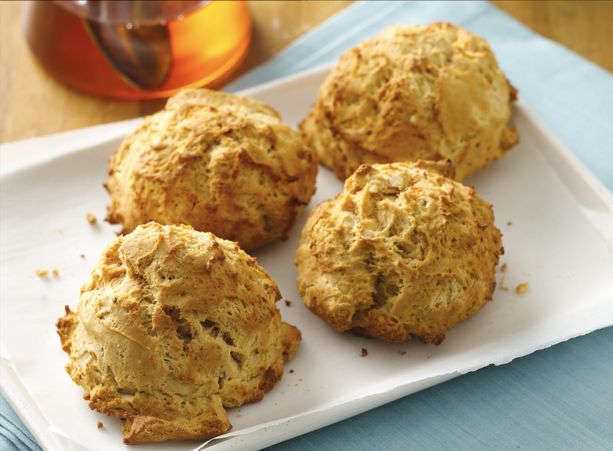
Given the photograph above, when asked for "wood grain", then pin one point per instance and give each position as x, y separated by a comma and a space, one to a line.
586, 27
34, 104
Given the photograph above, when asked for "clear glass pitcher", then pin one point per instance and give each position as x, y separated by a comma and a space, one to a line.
138, 49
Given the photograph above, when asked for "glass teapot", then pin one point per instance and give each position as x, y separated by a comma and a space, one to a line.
138, 49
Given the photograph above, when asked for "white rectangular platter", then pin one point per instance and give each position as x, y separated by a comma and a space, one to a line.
557, 221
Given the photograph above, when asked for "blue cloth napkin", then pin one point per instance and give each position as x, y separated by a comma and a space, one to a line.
559, 398
13, 433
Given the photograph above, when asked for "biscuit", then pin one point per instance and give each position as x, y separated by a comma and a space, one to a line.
403, 250
173, 326
218, 162
411, 93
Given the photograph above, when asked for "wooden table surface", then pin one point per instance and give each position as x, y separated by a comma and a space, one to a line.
34, 104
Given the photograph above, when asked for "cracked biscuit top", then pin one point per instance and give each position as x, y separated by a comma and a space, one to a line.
403, 250
218, 162
411, 93
173, 326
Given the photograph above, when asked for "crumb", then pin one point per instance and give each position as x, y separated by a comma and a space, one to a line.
503, 268
501, 285
521, 288
363, 352
99, 425
55, 272
509, 223
82, 256
91, 218
288, 303
402, 352
291, 371
42, 272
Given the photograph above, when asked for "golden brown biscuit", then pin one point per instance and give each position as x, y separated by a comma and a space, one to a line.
411, 93
403, 250
173, 326
218, 162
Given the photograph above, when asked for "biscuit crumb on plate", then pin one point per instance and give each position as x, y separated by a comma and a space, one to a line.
42, 272
99, 425
503, 268
521, 288
363, 352
288, 303
91, 218
502, 285
55, 272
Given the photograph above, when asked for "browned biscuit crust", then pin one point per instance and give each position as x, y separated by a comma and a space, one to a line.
173, 326
411, 93
403, 250
218, 162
